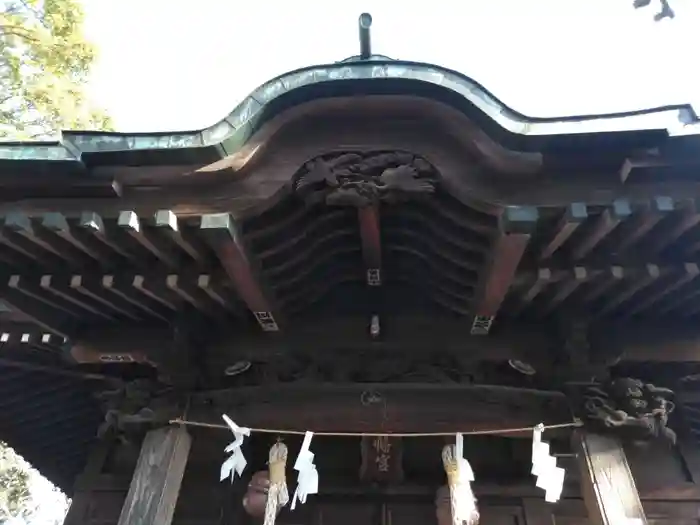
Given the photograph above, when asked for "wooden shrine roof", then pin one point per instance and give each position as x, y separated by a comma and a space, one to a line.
116, 248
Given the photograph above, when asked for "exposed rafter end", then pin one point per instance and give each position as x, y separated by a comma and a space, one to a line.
517, 225
222, 233
630, 164
644, 221
606, 222
574, 215
688, 219
26, 298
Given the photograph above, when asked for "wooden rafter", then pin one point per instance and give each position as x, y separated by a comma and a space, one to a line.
225, 238
517, 225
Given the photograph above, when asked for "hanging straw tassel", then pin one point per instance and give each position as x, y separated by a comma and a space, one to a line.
462, 500
278, 495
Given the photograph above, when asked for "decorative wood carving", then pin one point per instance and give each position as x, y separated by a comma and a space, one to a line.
128, 408
364, 179
385, 408
630, 409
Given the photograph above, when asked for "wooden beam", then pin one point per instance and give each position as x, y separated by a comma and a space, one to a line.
370, 233
564, 290
409, 338
371, 237
649, 275
643, 222
226, 240
645, 161
677, 281
384, 408
130, 222
543, 279
573, 217
47, 315
610, 278
607, 484
167, 222
517, 225
155, 486
689, 219
606, 222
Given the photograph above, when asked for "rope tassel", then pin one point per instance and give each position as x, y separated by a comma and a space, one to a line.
278, 494
459, 478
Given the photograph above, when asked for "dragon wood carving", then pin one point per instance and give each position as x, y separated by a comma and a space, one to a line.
630, 408
364, 179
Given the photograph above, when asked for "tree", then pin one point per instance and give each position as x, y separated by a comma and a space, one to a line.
45, 61
15, 494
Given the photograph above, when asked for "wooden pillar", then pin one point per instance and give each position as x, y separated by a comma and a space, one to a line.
156, 483
82, 495
607, 485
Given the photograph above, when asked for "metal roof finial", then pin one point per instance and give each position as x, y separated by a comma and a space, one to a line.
364, 23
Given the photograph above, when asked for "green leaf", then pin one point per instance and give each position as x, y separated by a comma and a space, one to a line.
45, 62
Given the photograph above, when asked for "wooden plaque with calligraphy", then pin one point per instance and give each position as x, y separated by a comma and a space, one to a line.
381, 459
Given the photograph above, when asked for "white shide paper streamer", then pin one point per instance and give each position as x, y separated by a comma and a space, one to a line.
549, 476
236, 462
307, 480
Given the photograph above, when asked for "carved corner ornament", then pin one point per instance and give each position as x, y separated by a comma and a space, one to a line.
629, 409
127, 409
364, 179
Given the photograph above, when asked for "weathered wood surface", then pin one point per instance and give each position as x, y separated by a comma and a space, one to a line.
155, 486
382, 459
366, 124
509, 244
383, 408
204, 500
607, 484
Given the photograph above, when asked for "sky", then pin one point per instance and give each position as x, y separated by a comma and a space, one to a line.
168, 65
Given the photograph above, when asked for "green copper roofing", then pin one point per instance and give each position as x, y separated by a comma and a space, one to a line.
229, 134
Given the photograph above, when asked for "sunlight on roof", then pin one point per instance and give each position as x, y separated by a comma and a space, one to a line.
179, 65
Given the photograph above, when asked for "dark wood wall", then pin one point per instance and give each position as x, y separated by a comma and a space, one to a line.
668, 479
